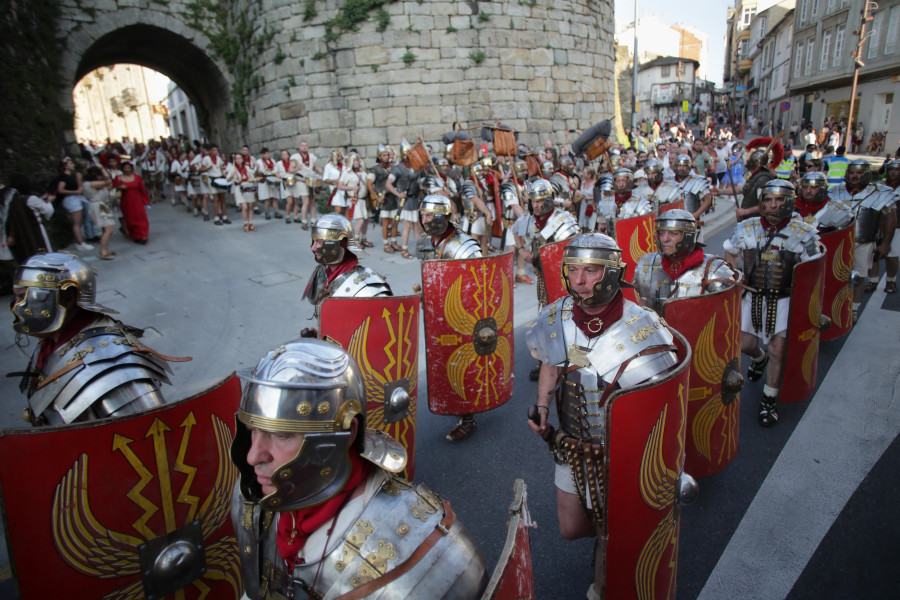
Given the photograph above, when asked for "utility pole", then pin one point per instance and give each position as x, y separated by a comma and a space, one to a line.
857, 64
634, 72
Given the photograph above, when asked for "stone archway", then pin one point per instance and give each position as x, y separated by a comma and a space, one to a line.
157, 40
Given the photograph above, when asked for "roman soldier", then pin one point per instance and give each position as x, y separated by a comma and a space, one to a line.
875, 209
694, 188
622, 202
892, 261
594, 346
771, 245
315, 482
815, 206
385, 202
88, 365
339, 273
760, 169
442, 241
398, 185
681, 268
657, 191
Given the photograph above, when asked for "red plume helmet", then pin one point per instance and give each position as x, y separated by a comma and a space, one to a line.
763, 142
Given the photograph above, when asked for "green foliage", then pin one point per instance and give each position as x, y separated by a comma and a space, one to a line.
451, 29
477, 57
34, 123
483, 17
291, 81
319, 55
374, 68
351, 15
279, 56
409, 58
382, 20
309, 10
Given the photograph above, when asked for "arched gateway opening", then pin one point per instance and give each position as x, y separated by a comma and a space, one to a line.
172, 55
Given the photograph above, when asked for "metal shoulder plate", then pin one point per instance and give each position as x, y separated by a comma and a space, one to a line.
747, 234
717, 269
112, 369
650, 281
667, 192
391, 526
802, 237
607, 206
835, 215
560, 226
638, 330
360, 282
546, 337
460, 245
635, 207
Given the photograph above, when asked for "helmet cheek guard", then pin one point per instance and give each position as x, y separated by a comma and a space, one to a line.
39, 312
595, 249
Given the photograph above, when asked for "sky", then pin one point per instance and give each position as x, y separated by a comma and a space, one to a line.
705, 15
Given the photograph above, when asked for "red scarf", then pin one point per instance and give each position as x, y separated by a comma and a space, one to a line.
769, 228
676, 269
541, 220
214, 159
243, 171
294, 528
611, 313
66, 333
806, 208
286, 164
350, 261
269, 163
305, 159
621, 199
853, 191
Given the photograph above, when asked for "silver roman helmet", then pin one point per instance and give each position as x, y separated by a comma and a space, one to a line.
862, 167
683, 221
814, 179
439, 206
615, 158
781, 189
521, 169
335, 231
405, 147
309, 387
44, 277
542, 191
382, 149
683, 165
654, 169
596, 249
629, 177
758, 157
547, 169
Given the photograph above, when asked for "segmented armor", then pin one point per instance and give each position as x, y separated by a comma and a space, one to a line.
667, 192
633, 207
581, 394
832, 216
769, 261
380, 530
692, 188
456, 245
359, 282
103, 371
867, 205
654, 285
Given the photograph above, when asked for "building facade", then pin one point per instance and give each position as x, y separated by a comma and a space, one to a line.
667, 88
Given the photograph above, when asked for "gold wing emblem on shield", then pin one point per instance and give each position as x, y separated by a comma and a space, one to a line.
812, 334
402, 359
658, 487
641, 241
488, 377
841, 268
92, 549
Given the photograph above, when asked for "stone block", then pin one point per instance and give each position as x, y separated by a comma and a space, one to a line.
460, 22
327, 103
429, 100
345, 59
390, 116
368, 136
542, 126
523, 110
541, 110
525, 73
538, 85
334, 138
468, 38
422, 22
564, 110
560, 57
452, 75
292, 110
420, 115
542, 57
325, 119
515, 56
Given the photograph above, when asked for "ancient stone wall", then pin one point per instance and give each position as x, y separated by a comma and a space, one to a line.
541, 67
272, 72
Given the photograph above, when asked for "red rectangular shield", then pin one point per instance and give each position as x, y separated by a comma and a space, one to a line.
468, 312
802, 350
382, 336
671, 206
636, 237
89, 504
712, 326
838, 301
645, 458
513, 578
551, 267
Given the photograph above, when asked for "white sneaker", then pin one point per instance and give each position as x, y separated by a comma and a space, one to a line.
84, 247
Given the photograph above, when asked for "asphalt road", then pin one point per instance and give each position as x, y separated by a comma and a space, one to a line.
225, 297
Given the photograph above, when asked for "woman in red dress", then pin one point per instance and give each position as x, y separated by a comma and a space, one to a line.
134, 199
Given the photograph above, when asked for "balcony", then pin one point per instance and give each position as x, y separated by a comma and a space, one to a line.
744, 65
743, 34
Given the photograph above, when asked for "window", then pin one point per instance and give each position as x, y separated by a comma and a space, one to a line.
826, 48
763, 21
798, 60
815, 8
890, 40
666, 71
838, 45
810, 46
874, 41
743, 48
804, 10
830, 6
